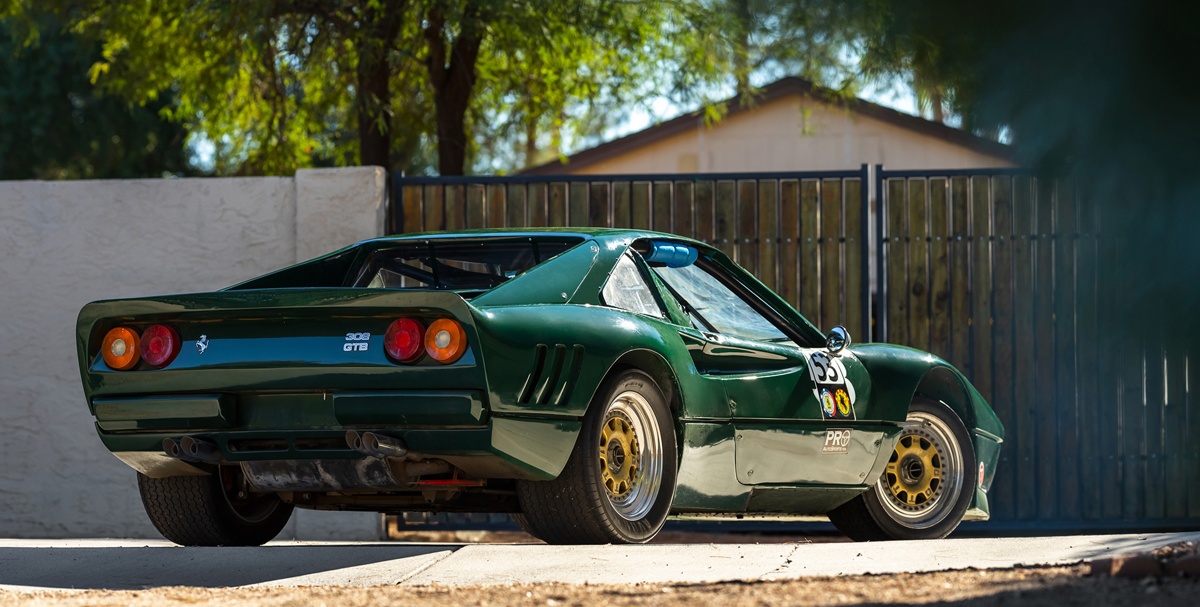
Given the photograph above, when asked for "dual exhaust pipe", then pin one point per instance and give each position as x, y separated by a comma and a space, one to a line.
191, 449
376, 445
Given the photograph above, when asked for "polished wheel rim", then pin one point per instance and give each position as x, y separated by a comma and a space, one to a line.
924, 473
631, 461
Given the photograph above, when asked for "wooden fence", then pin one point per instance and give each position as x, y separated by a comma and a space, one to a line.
801, 233
1012, 279
1016, 282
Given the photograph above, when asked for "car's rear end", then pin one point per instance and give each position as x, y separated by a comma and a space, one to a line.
356, 381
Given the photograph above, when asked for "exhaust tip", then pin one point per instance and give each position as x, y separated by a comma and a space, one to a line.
198, 449
354, 440
189, 446
384, 446
370, 441
171, 447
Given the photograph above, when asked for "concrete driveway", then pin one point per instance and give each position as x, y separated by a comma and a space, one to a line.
132, 564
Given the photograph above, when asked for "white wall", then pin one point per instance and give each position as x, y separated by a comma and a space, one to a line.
65, 243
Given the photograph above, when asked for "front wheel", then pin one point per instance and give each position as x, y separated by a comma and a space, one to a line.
924, 490
214, 510
618, 484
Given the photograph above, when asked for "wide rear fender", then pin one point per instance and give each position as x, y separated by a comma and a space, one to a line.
549, 360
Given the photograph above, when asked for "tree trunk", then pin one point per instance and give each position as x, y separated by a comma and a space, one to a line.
531, 146
744, 22
377, 35
374, 141
935, 100
453, 81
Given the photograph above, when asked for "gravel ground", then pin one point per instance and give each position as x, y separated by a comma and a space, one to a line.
1026, 587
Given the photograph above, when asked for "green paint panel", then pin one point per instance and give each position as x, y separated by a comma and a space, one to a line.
441, 408
987, 451
706, 481
164, 413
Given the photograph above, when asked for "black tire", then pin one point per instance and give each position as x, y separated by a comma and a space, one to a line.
588, 503
207, 510
891, 510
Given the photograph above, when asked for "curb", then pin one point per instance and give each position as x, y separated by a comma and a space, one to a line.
1176, 560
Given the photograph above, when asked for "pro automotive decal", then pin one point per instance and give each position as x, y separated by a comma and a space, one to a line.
830, 385
837, 440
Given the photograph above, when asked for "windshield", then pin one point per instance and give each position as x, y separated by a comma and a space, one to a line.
459, 265
713, 306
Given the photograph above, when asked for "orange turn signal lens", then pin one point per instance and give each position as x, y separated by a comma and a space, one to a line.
121, 349
445, 341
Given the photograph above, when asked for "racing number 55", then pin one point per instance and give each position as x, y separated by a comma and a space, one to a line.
824, 370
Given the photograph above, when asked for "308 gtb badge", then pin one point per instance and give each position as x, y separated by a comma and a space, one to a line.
357, 342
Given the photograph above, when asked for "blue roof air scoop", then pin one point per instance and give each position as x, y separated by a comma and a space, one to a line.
672, 255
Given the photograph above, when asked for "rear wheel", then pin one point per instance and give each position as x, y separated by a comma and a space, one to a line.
925, 490
618, 484
214, 510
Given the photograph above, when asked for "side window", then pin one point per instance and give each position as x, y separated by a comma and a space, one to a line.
712, 306
628, 290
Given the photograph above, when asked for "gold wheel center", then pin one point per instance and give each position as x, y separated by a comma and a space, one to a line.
914, 471
618, 456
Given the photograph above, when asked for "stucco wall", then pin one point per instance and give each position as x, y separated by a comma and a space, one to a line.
64, 244
794, 133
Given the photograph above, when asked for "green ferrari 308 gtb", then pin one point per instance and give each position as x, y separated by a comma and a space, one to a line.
590, 382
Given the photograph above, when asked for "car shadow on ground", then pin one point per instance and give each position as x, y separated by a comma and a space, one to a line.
134, 568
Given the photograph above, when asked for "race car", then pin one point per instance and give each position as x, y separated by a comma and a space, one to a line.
591, 382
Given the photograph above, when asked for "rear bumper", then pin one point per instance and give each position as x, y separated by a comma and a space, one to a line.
409, 408
450, 425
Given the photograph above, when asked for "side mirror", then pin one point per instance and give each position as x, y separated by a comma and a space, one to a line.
838, 339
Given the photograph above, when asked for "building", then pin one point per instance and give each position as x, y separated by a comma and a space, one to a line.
790, 125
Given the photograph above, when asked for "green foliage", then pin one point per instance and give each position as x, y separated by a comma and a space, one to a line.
578, 68
818, 40
265, 87
54, 124
292, 83
414, 84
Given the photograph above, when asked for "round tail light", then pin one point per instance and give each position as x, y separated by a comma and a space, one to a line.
120, 349
403, 340
445, 341
160, 344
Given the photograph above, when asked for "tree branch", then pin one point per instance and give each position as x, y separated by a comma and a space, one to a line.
325, 9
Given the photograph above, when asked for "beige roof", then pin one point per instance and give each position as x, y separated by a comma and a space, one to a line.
926, 142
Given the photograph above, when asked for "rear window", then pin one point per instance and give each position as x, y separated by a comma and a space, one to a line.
460, 265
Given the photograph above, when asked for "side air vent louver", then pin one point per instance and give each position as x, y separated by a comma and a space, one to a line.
553, 376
